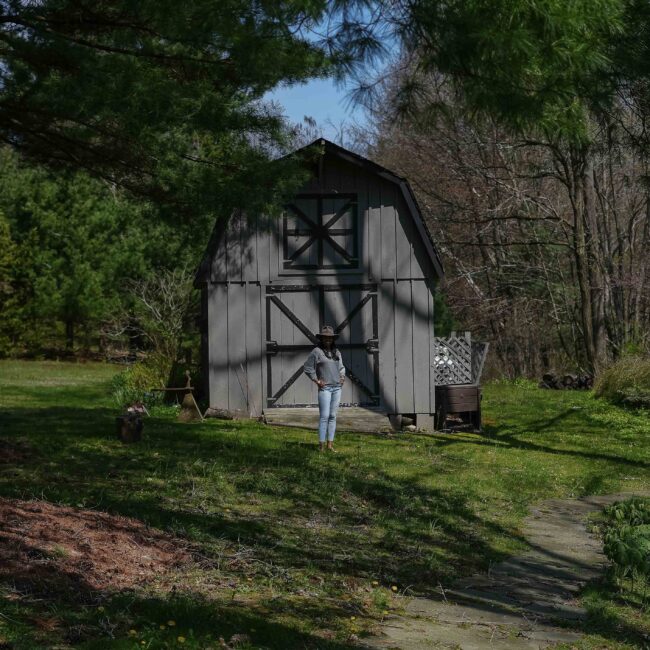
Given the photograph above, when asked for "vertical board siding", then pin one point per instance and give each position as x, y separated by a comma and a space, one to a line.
273, 371
248, 248
249, 259
404, 396
357, 359
237, 393
300, 303
388, 250
266, 247
218, 268
403, 250
254, 349
422, 336
363, 208
432, 381
233, 247
205, 338
386, 298
373, 228
419, 266
218, 344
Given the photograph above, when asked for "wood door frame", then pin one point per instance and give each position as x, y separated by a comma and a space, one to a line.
371, 345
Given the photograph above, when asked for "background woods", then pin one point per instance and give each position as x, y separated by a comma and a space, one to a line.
522, 126
76, 258
545, 240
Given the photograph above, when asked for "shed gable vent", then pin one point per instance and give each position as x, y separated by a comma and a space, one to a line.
320, 231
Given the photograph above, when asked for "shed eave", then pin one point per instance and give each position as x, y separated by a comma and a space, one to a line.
202, 275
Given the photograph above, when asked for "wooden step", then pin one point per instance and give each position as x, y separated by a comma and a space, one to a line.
349, 418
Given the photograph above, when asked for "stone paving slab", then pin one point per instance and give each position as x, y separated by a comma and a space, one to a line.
524, 601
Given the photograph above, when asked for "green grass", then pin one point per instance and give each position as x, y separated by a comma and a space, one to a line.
293, 540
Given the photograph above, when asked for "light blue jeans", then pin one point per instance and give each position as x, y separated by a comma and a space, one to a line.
328, 403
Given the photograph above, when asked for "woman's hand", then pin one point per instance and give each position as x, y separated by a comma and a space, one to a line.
320, 383
342, 380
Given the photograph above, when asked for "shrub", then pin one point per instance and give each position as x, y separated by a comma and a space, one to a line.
626, 382
627, 538
135, 383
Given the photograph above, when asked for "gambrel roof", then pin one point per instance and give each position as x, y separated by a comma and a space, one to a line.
324, 148
404, 186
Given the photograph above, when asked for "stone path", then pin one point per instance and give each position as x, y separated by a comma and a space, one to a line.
523, 601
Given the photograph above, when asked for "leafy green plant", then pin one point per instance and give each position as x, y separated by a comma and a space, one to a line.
136, 383
635, 397
627, 540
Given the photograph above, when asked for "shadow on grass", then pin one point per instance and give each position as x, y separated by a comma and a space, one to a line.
507, 435
335, 514
344, 517
207, 621
48, 615
612, 617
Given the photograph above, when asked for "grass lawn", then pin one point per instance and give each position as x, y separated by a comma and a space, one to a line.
299, 549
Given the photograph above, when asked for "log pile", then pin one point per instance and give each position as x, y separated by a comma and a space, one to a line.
566, 382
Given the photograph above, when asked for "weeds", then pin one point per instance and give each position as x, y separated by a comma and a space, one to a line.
626, 382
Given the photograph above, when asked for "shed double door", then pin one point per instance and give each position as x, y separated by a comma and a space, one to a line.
294, 313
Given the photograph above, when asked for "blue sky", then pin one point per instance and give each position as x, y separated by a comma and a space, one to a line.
319, 99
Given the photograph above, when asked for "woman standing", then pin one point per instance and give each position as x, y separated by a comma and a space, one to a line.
324, 367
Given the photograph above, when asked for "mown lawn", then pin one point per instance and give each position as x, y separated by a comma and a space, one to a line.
292, 540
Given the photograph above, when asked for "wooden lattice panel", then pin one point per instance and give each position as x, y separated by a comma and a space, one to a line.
479, 352
452, 360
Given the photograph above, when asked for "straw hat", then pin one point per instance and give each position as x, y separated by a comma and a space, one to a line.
326, 330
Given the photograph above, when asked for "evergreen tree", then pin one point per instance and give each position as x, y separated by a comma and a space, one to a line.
69, 247
8, 262
161, 97
546, 64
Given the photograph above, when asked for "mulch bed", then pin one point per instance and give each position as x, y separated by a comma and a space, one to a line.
47, 548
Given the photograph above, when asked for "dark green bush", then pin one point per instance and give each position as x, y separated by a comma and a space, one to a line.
627, 538
626, 382
137, 381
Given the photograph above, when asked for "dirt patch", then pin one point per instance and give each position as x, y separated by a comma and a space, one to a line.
46, 548
14, 451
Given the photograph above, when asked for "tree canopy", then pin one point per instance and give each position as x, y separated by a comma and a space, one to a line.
160, 97
167, 101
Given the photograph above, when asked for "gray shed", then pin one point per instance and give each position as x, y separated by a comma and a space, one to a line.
351, 250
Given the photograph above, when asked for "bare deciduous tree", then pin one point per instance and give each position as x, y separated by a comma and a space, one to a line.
545, 243
163, 307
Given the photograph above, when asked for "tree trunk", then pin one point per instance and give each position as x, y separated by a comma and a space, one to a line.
69, 335
596, 274
582, 277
